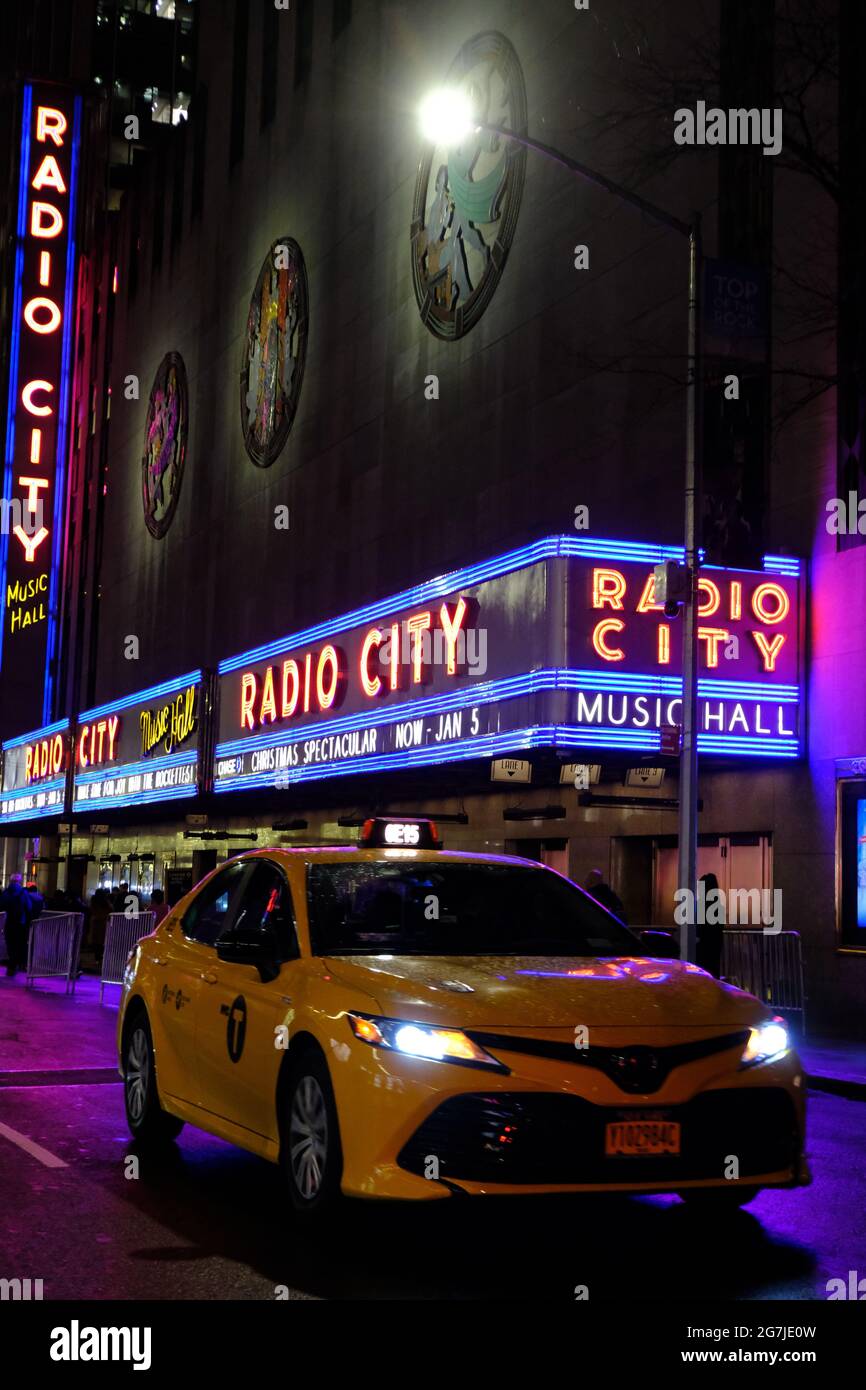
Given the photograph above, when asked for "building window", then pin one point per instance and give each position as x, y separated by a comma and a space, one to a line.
304, 42
270, 59
342, 16
239, 82
165, 109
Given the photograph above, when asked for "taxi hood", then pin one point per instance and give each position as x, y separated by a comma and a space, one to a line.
546, 991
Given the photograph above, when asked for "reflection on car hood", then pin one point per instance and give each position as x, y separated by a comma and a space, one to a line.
546, 991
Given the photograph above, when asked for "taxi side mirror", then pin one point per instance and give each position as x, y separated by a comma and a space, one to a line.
252, 946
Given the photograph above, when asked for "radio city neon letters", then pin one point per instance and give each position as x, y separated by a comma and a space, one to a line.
768, 603
39, 363
43, 759
316, 681
42, 314
97, 742
29, 391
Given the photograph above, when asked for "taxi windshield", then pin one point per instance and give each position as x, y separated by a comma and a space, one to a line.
461, 908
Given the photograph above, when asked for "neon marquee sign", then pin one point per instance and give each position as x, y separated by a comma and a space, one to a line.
581, 655
140, 748
34, 773
40, 366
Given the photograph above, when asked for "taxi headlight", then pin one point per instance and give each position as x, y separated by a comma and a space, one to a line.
131, 966
417, 1040
767, 1041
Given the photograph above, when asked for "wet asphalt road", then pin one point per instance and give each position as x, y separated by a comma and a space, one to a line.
209, 1222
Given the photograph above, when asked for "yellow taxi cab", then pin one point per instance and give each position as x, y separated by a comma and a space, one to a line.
393, 1020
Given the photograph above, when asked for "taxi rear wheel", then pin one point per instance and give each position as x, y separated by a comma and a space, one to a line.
147, 1120
311, 1154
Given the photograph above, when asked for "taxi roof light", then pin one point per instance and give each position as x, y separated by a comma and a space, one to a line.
400, 832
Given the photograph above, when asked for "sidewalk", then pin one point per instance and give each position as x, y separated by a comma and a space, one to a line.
835, 1065
45, 1030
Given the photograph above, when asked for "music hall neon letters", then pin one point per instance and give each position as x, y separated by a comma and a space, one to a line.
171, 724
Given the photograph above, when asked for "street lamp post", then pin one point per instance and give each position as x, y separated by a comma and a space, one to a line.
687, 867
447, 118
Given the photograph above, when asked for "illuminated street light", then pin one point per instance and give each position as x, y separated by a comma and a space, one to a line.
446, 116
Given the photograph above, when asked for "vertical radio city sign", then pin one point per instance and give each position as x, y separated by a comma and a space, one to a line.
40, 365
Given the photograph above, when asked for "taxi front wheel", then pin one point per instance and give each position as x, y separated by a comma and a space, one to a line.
146, 1118
311, 1155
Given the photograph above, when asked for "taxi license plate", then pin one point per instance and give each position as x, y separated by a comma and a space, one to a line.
637, 1138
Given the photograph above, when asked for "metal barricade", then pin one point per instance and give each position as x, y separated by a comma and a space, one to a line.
768, 965
121, 934
53, 947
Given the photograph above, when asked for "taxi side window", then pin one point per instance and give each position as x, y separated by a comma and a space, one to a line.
267, 902
207, 915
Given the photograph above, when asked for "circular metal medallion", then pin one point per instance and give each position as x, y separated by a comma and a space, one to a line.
467, 198
275, 348
165, 438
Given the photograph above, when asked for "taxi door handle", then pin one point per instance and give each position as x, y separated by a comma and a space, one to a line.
158, 961
210, 977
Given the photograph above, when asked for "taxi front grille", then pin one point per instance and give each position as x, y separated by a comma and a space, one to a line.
543, 1138
638, 1070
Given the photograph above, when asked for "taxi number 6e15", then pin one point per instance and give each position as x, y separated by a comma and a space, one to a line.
400, 834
